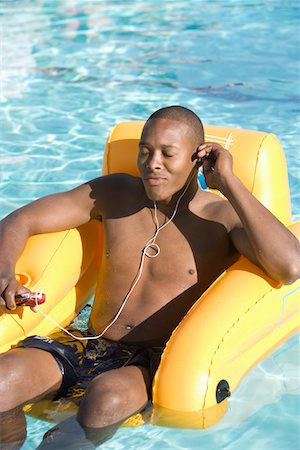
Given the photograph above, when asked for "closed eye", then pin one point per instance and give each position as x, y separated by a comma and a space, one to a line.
168, 151
143, 150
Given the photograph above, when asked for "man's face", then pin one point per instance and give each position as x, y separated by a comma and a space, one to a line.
165, 157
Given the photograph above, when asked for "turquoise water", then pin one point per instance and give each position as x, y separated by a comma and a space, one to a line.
72, 69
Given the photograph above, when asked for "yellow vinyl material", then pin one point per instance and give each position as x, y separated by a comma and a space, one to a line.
65, 266
239, 320
244, 315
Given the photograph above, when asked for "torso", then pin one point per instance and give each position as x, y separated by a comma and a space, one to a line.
194, 250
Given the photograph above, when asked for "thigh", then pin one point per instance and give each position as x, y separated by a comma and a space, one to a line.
30, 374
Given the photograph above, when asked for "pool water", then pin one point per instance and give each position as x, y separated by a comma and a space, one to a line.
71, 69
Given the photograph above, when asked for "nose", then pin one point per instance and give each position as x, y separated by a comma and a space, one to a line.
154, 161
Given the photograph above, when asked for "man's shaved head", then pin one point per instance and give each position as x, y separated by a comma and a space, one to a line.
183, 115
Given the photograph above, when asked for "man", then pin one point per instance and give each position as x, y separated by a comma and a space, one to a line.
187, 237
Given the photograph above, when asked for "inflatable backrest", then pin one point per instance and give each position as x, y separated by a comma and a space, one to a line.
258, 160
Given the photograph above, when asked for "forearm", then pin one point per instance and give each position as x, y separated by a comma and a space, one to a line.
13, 237
274, 246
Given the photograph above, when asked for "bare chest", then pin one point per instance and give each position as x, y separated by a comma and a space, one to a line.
183, 253
189, 254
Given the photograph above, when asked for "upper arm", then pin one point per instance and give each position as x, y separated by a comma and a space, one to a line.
238, 236
242, 244
103, 196
58, 212
221, 211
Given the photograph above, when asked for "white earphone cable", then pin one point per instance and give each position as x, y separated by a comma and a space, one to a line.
150, 244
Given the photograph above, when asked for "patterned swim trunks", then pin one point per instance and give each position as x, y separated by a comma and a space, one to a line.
81, 361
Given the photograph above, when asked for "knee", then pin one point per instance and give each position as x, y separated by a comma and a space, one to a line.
108, 400
102, 404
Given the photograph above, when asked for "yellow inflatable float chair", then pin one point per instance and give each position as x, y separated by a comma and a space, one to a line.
239, 320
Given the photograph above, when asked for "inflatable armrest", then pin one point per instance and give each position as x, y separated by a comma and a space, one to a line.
240, 319
65, 266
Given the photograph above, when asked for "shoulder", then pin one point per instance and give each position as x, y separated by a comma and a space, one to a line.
216, 208
116, 194
114, 182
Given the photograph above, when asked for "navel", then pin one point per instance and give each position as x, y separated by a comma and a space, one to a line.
191, 271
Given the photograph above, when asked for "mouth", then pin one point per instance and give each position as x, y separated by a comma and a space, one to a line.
154, 181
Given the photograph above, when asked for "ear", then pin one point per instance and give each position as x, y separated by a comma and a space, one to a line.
195, 157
